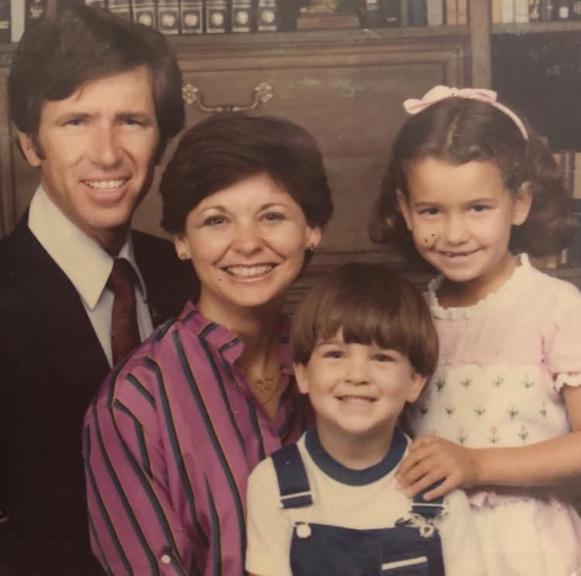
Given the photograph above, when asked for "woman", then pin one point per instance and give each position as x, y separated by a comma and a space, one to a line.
176, 429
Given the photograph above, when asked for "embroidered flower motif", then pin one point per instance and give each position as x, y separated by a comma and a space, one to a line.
479, 410
462, 436
498, 382
440, 383
423, 409
466, 382
512, 412
524, 433
528, 382
494, 437
449, 410
543, 410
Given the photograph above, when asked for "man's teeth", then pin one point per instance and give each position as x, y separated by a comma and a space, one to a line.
249, 271
105, 184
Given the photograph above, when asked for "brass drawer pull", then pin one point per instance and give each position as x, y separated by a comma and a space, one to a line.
263, 92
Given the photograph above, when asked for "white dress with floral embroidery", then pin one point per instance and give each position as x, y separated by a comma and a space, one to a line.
503, 364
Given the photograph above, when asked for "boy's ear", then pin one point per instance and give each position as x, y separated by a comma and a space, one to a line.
417, 383
301, 377
404, 208
523, 200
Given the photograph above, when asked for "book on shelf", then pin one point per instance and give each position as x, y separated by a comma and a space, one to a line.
417, 13
391, 16
35, 11
168, 17
451, 12
216, 16
266, 16
547, 9
435, 12
144, 12
562, 9
5, 32
534, 10
191, 17
374, 15
521, 11
403, 13
120, 8
462, 11
507, 12
242, 16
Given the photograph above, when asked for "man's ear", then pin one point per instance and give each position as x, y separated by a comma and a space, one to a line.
404, 208
522, 203
301, 377
28, 148
416, 386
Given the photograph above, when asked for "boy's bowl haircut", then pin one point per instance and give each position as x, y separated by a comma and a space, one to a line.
369, 304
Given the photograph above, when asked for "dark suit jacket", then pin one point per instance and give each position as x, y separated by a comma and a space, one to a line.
51, 364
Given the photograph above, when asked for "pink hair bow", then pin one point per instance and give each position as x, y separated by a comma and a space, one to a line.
437, 93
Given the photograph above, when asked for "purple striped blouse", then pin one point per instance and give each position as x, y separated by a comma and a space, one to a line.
169, 443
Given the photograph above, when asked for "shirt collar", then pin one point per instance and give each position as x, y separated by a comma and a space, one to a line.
83, 261
229, 344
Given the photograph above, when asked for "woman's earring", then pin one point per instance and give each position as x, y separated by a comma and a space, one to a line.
311, 249
183, 256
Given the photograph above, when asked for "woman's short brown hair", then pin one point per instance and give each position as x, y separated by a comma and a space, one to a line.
369, 304
226, 148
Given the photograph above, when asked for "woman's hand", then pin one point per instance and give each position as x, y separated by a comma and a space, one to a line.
432, 461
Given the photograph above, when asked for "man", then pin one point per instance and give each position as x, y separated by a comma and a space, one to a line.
95, 99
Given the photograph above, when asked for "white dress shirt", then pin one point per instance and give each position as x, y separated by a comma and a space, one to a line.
87, 266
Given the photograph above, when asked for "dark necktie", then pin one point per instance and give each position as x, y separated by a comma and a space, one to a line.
124, 330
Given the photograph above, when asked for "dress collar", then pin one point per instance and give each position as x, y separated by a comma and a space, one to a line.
464, 312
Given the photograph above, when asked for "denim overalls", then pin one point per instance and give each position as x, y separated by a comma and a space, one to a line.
411, 548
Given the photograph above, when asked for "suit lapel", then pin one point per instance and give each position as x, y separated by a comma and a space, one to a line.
61, 324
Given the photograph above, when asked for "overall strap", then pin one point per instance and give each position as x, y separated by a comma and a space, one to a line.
429, 510
293, 484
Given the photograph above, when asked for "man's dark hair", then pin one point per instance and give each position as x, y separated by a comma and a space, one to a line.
227, 148
57, 56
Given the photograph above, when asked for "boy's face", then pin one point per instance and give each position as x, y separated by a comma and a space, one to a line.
357, 390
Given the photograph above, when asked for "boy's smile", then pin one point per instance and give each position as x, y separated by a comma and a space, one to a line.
358, 392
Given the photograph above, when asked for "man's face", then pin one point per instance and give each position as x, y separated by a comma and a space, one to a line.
96, 152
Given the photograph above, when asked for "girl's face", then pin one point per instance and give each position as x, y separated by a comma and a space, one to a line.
247, 244
461, 217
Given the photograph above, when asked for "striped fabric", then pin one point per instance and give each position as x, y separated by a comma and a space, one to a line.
169, 443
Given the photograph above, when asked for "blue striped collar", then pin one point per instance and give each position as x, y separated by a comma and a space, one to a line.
345, 475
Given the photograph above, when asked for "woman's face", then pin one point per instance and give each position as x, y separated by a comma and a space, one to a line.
247, 243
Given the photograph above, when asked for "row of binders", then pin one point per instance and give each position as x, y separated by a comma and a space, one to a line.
197, 16
523, 11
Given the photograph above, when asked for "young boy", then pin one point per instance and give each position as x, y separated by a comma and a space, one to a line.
364, 345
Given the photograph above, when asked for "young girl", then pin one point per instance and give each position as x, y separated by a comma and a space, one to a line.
471, 186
